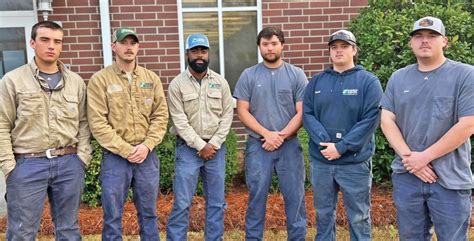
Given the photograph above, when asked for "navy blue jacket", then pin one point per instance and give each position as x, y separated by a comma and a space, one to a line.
342, 108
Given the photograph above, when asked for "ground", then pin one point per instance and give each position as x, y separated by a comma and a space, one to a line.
90, 219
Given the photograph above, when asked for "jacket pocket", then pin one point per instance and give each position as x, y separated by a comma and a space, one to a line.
70, 108
190, 102
215, 101
30, 103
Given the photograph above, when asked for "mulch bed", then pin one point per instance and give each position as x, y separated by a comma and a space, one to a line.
90, 219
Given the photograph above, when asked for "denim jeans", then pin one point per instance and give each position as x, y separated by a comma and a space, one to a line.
420, 205
62, 179
288, 163
188, 167
117, 175
354, 181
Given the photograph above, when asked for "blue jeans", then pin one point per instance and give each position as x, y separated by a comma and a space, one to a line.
188, 166
288, 163
117, 175
420, 205
354, 181
62, 179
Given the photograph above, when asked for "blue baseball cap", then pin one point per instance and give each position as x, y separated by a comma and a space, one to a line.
197, 39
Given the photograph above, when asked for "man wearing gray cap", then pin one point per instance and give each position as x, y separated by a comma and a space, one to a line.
201, 107
340, 114
128, 116
428, 117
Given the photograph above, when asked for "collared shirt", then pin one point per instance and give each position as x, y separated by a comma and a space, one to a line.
123, 114
200, 110
34, 118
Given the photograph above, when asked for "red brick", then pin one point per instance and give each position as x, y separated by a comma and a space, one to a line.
94, 2
171, 23
277, 5
79, 32
298, 33
114, 9
299, 19
171, 65
153, 8
318, 18
170, 8
68, 25
147, 59
294, 47
154, 37
297, 12
338, 18
65, 10
62, 18
87, 10
96, 32
312, 25
359, 2
293, 54
332, 10
121, 2
351, 10
89, 68
168, 58
130, 9
299, 5
273, 12
90, 24
143, 30
167, 15
166, 44
155, 23
77, 3
150, 45
95, 17
145, 15
69, 39
319, 4
169, 72
58, 3
172, 37
332, 25
144, 2
312, 11
156, 66
293, 26
340, 3
89, 54
81, 47
79, 61
310, 53
130, 23
121, 16
68, 54
289, 40
167, 30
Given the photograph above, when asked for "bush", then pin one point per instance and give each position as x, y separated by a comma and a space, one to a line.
382, 32
166, 154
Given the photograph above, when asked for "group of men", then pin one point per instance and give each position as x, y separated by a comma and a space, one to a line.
426, 113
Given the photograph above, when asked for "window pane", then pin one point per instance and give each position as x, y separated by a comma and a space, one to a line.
12, 49
16, 5
205, 23
199, 3
240, 48
239, 3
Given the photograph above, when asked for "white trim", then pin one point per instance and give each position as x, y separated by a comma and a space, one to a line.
219, 9
105, 32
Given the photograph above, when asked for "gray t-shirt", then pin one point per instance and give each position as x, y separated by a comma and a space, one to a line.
427, 105
272, 94
52, 79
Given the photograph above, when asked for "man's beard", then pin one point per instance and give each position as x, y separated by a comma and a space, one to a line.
198, 67
271, 60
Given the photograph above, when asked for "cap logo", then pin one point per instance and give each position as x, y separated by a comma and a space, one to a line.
198, 40
426, 22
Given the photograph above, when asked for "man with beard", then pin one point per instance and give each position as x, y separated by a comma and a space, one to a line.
44, 139
270, 105
128, 116
428, 117
201, 107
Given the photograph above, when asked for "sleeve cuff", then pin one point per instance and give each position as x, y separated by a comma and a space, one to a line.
149, 144
215, 142
125, 150
341, 147
199, 143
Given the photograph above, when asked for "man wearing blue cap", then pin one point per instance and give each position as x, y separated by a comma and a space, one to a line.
128, 116
201, 107
340, 114
428, 117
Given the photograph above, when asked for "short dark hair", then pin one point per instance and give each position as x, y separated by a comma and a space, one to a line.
268, 32
44, 24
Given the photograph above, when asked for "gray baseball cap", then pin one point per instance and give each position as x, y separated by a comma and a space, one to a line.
343, 35
429, 23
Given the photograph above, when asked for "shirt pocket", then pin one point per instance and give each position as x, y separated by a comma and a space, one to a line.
117, 103
70, 109
215, 101
30, 103
146, 104
190, 102
443, 107
285, 98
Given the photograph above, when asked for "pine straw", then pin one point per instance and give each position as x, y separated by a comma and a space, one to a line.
90, 219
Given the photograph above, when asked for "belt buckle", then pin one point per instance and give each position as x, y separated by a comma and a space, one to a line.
48, 153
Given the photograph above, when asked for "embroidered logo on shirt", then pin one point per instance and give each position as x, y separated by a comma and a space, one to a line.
214, 86
144, 85
349, 91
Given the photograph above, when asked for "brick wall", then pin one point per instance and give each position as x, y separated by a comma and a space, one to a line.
306, 24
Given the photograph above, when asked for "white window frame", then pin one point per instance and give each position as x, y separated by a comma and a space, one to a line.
219, 9
21, 19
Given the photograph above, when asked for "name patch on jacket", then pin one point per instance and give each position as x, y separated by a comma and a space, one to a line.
145, 85
214, 86
349, 91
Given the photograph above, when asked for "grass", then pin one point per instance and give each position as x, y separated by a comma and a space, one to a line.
378, 234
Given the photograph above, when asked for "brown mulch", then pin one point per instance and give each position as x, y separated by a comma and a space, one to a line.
90, 219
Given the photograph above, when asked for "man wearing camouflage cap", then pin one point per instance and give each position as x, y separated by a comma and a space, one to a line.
340, 114
428, 117
128, 115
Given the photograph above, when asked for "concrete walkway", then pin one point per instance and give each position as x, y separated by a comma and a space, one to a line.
3, 204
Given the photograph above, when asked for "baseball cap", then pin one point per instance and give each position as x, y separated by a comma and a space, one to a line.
121, 33
430, 23
343, 35
197, 39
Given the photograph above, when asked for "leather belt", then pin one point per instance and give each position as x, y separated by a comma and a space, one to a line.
50, 153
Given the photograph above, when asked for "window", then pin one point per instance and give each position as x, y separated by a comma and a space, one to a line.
231, 27
17, 17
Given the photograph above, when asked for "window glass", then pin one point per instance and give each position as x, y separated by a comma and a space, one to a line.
16, 5
12, 49
239, 3
199, 3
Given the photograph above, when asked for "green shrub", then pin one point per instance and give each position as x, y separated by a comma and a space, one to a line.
382, 32
166, 154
